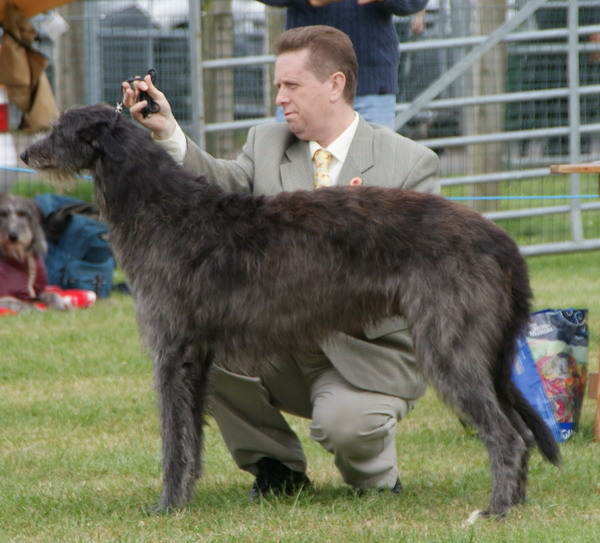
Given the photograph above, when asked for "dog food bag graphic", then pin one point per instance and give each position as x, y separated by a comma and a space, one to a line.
555, 355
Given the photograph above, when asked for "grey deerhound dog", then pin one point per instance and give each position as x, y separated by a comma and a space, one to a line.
232, 276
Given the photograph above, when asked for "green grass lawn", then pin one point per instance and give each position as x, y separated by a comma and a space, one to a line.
80, 450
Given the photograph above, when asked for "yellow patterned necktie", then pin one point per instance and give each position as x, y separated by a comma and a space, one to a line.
322, 158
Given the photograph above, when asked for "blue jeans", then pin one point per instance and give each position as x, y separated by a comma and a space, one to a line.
375, 108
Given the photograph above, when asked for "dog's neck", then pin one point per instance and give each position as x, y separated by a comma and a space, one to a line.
15, 251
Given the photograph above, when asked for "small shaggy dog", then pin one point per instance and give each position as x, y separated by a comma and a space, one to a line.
242, 277
23, 277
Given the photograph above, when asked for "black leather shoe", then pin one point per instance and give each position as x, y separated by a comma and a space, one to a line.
276, 479
395, 490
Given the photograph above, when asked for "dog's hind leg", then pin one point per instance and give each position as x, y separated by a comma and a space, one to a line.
181, 376
520, 493
464, 383
505, 447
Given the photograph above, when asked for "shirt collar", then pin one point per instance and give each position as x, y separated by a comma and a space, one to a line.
341, 145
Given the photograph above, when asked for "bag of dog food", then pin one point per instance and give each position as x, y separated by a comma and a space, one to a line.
550, 368
79, 254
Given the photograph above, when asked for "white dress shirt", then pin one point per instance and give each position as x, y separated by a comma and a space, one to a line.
176, 145
338, 148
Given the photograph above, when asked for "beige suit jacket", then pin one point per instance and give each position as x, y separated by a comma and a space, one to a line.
274, 160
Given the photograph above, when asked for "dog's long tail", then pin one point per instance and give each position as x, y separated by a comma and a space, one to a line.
520, 293
543, 436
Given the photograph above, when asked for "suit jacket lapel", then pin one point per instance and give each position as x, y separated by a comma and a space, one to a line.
360, 157
297, 173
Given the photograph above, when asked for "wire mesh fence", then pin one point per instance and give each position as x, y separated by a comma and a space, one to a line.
497, 126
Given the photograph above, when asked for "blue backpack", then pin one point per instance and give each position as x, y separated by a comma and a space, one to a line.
79, 255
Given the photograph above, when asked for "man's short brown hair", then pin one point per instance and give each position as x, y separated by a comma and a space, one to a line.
330, 51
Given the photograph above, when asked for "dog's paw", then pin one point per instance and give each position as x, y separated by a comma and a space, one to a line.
477, 514
158, 510
54, 301
474, 516
154, 510
15, 305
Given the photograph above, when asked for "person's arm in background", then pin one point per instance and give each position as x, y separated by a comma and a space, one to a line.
417, 25
397, 7
595, 38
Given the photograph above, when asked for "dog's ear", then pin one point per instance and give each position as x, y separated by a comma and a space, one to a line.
39, 245
102, 138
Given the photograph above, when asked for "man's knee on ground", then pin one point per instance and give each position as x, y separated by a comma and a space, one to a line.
361, 432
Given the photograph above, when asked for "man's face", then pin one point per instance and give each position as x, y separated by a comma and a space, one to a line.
305, 100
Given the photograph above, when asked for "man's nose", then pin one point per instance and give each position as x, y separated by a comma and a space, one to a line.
281, 97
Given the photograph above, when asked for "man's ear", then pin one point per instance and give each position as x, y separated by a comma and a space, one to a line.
338, 84
101, 137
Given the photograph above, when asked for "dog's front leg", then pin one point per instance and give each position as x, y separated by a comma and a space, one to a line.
181, 376
16, 305
54, 300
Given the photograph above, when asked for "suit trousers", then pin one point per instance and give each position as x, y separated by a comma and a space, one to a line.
356, 426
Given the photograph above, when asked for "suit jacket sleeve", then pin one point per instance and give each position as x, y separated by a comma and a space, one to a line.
234, 176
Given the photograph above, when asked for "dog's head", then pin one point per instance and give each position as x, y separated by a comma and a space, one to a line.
21, 231
80, 137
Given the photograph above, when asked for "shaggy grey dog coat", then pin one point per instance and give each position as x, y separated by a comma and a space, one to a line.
244, 277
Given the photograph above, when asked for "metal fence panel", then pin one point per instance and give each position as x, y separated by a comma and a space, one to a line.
500, 89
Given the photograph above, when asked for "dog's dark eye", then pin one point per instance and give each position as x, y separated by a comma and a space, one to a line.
3, 213
21, 214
